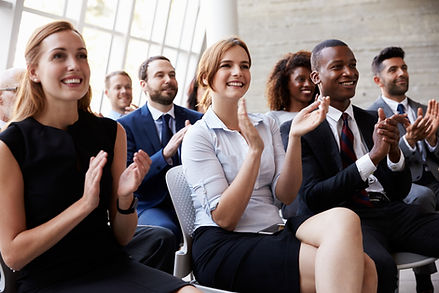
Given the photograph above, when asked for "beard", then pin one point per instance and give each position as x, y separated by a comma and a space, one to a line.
166, 99
398, 89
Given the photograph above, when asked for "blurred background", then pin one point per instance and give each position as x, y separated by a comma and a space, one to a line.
121, 34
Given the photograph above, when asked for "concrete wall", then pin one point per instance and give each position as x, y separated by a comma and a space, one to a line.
272, 28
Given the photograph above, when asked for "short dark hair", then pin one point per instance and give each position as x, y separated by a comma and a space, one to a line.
315, 54
386, 53
114, 73
144, 66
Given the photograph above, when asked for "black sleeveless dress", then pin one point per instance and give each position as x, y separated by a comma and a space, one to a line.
53, 163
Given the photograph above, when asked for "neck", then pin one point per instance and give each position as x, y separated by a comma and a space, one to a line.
118, 110
396, 98
296, 106
227, 113
340, 105
58, 116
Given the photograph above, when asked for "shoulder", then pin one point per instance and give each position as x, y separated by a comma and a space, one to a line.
376, 104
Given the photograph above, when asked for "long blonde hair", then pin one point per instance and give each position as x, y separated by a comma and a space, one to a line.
30, 96
210, 62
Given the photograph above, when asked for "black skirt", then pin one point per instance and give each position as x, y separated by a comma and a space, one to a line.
248, 262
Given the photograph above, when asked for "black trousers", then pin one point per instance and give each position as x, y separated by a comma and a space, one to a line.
395, 227
153, 246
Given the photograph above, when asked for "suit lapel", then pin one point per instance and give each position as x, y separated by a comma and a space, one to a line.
324, 140
180, 117
149, 129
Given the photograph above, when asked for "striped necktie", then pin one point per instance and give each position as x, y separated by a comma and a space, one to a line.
348, 157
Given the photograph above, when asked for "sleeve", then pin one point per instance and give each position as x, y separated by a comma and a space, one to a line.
202, 168
279, 153
13, 138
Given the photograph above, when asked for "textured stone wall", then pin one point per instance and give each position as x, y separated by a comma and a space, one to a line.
273, 28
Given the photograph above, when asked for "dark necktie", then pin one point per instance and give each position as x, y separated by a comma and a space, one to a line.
166, 136
348, 157
400, 109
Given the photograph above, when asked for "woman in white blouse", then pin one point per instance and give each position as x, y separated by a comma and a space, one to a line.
236, 167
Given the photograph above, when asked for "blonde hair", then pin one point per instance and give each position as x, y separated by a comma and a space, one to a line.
30, 96
209, 65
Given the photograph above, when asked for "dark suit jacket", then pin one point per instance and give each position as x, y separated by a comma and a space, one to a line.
413, 159
325, 183
142, 134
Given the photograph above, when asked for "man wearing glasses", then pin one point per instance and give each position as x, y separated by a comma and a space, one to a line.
9, 81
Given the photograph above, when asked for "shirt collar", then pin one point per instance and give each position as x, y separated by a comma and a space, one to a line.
335, 114
394, 104
157, 114
213, 121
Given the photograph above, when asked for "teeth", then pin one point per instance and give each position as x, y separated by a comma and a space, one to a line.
73, 80
348, 83
234, 83
306, 91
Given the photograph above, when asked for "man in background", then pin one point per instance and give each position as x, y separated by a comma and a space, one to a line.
9, 83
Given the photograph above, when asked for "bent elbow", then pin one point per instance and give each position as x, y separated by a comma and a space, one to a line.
13, 261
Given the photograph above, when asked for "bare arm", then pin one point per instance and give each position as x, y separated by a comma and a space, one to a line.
125, 182
235, 198
20, 245
290, 177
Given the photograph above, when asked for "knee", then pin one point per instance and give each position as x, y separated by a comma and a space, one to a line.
345, 221
166, 237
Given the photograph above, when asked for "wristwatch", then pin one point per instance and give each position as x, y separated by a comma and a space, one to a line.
130, 210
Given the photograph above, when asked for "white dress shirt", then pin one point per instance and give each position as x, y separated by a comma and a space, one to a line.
364, 164
212, 156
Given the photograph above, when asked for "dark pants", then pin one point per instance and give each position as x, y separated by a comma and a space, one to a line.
395, 227
153, 246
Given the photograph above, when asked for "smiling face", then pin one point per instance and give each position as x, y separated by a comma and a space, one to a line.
119, 92
301, 88
62, 68
337, 75
161, 84
393, 78
232, 79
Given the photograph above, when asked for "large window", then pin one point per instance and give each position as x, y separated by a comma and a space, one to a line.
121, 34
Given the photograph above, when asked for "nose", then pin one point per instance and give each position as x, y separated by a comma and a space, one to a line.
236, 70
349, 71
73, 64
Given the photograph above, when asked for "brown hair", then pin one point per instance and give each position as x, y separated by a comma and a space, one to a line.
277, 92
30, 96
210, 62
114, 73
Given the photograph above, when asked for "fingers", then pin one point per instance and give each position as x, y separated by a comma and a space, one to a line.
187, 123
381, 115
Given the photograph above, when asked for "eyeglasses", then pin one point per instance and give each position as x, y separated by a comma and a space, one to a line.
11, 89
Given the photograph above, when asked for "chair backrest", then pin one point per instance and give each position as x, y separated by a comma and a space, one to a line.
7, 278
182, 201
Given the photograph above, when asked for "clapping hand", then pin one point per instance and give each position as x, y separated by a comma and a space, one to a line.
133, 175
247, 128
310, 117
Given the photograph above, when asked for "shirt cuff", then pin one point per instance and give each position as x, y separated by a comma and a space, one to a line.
365, 167
396, 166
408, 145
432, 148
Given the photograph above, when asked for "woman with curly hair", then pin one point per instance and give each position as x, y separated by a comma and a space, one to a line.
289, 86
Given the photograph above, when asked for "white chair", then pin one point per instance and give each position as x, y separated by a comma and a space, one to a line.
408, 260
181, 198
7, 278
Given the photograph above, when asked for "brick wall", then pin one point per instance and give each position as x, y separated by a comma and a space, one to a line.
273, 28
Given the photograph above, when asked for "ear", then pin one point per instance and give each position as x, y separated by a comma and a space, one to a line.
315, 77
106, 92
33, 74
377, 80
